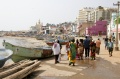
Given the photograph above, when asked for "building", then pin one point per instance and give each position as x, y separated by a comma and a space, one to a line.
101, 13
37, 28
83, 14
83, 26
111, 28
99, 28
88, 16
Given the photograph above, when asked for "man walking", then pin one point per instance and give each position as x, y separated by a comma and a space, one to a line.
86, 44
98, 42
106, 42
110, 47
56, 50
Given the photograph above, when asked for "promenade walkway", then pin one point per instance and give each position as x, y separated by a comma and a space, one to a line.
104, 67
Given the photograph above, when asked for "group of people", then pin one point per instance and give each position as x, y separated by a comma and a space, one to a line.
76, 49
89, 46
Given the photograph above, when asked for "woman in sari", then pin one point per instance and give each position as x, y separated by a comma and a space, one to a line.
72, 52
93, 49
68, 49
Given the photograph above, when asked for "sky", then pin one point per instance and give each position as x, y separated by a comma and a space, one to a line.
18, 15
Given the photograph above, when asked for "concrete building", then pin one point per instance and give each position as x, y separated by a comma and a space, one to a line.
99, 28
83, 26
88, 16
83, 14
101, 13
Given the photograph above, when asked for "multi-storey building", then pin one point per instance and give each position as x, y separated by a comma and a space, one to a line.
91, 14
101, 13
83, 14
88, 16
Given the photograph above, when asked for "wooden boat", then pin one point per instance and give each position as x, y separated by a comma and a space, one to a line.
20, 52
51, 42
5, 54
40, 37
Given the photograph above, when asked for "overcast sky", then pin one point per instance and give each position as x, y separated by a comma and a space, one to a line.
21, 14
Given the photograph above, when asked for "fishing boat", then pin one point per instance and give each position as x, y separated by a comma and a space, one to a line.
5, 54
21, 52
51, 42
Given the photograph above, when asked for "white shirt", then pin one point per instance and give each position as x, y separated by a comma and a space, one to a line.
56, 48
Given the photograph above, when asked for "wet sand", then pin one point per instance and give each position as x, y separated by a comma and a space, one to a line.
104, 67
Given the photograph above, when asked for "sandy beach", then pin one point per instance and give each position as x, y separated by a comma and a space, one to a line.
104, 67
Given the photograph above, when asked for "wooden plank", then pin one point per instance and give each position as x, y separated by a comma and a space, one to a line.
23, 73
15, 69
12, 65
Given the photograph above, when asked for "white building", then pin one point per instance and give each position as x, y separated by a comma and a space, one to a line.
37, 28
99, 12
83, 14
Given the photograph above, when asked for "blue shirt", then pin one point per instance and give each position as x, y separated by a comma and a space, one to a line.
110, 44
86, 43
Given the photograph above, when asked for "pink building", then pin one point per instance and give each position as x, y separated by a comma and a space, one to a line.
100, 28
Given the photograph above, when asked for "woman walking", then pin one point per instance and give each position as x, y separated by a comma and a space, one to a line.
80, 50
72, 52
77, 46
93, 49
68, 49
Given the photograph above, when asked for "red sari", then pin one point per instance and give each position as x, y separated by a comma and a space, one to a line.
93, 50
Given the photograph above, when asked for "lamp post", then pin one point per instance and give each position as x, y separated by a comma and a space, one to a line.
117, 47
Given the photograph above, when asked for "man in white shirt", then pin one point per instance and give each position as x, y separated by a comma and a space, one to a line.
56, 51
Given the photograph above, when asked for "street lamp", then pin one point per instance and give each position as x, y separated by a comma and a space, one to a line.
117, 47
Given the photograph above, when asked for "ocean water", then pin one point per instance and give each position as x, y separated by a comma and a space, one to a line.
9, 61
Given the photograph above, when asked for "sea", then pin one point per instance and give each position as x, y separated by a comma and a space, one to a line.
9, 61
